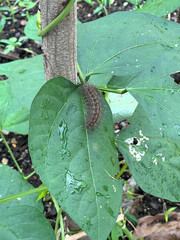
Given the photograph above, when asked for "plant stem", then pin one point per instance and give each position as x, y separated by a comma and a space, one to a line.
112, 90
22, 194
30, 175
11, 154
80, 74
57, 221
121, 171
105, 10
126, 231
57, 20
62, 226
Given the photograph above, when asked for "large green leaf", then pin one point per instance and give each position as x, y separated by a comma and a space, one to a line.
127, 43
76, 165
11, 182
154, 159
26, 78
142, 56
21, 218
16, 94
13, 116
24, 222
159, 7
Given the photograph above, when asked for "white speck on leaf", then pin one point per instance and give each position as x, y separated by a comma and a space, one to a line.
155, 161
136, 154
129, 140
140, 133
176, 45
19, 198
114, 188
146, 146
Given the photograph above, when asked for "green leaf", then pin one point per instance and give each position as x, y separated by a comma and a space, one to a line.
159, 7
6, 41
5, 9
75, 164
15, 184
122, 106
9, 48
133, 42
142, 63
155, 124
31, 29
116, 232
168, 212
13, 116
25, 222
25, 79
2, 23
21, 218
154, 160
98, 9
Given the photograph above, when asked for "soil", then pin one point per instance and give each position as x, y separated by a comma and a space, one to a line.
145, 204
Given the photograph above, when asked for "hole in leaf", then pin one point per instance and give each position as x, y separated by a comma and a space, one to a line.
3, 77
118, 126
135, 141
176, 77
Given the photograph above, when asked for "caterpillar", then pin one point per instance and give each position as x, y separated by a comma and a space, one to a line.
93, 106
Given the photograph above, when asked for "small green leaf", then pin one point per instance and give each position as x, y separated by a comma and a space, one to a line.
13, 39
116, 232
98, 9
31, 28
168, 212
122, 106
9, 48
75, 164
42, 193
2, 23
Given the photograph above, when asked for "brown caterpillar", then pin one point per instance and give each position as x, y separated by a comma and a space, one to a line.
93, 104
